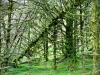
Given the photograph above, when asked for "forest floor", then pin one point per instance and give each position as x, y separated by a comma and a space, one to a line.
63, 68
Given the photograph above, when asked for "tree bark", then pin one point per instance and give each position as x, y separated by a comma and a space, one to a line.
95, 40
69, 39
46, 46
6, 54
0, 23
55, 42
82, 41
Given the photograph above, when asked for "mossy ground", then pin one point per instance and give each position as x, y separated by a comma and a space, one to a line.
46, 68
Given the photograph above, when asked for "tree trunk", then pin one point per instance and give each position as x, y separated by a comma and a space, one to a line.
82, 41
69, 39
75, 40
8, 33
55, 42
95, 39
46, 47
0, 24
46, 51
0, 33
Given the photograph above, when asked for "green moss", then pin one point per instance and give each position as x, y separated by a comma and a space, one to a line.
31, 69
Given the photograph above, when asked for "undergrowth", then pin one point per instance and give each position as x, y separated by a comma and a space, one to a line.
46, 68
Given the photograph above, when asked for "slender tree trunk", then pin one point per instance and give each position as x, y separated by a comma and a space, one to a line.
8, 32
46, 50
9, 23
55, 48
95, 39
0, 33
0, 24
82, 43
74, 40
69, 39
46, 46
74, 27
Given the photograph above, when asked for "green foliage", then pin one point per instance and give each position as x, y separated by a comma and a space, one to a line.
45, 68
30, 22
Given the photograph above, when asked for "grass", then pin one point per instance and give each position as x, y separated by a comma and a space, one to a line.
47, 69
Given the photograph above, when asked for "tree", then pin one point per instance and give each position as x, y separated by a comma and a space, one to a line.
31, 27
0, 31
54, 43
95, 39
81, 31
8, 32
46, 46
0, 24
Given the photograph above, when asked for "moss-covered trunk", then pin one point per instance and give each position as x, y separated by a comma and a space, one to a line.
46, 46
0, 24
8, 31
69, 39
54, 43
95, 39
82, 41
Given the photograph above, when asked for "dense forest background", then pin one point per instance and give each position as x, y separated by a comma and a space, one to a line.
57, 35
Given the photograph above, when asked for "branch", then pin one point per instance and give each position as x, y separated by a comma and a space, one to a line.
33, 43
